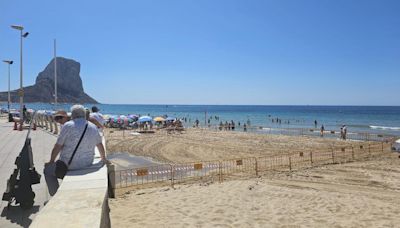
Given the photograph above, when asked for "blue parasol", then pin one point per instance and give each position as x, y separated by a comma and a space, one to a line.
170, 119
145, 119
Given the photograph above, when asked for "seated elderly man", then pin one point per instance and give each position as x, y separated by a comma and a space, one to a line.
66, 143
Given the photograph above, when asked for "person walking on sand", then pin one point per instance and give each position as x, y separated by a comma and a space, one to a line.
244, 127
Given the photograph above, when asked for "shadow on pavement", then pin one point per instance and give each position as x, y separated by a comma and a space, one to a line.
19, 216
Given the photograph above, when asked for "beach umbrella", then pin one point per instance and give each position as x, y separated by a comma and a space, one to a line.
133, 116
145, 119
170, 119
159, 119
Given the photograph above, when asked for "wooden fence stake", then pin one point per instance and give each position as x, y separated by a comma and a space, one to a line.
352, 152
256, 164
290, 164
369, 149
333, 156
172, 176
311, 159
220, 171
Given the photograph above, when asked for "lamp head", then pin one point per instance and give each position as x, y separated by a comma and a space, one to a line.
25, 34
18, 27
8, 61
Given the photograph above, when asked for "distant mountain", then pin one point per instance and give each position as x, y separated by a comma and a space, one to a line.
69, 85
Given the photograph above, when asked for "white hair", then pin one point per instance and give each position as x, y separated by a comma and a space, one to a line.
78, 111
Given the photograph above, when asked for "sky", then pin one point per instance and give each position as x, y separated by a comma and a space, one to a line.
281, 52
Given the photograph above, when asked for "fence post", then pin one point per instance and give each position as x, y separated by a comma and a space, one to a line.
333, 156
220, 171
352, 152
369, 149
382, 146
172, 176
290, 163
311, 159
256, 164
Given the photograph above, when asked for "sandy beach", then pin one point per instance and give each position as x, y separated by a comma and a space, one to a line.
358, 194
205, 145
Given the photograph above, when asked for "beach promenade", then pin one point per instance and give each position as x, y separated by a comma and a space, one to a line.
11, 143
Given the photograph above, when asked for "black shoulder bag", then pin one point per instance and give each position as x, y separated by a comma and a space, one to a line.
61, 167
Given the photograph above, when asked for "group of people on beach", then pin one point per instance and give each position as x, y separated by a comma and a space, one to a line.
80, 133
228, 126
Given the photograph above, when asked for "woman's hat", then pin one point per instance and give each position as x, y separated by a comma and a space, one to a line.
61, 113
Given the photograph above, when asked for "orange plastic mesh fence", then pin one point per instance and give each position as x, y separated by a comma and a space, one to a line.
197, 170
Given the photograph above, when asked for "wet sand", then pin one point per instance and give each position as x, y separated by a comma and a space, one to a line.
358, 194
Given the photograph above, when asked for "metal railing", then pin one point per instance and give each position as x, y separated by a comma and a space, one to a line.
222, 169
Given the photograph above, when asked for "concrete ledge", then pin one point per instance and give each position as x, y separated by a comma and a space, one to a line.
81, 200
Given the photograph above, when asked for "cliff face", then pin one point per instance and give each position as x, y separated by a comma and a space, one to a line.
69, 85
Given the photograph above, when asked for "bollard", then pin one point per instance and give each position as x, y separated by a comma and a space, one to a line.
55, 128
41, 121
51, 124
34, 127
15, 125
21, 124
46, 123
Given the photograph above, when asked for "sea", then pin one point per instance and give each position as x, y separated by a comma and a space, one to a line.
372, 119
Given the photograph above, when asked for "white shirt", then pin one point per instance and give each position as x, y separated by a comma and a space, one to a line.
98, 116
69, 137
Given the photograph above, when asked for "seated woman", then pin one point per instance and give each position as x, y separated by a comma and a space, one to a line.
66, 143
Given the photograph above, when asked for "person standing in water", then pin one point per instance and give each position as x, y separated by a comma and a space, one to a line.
322, 130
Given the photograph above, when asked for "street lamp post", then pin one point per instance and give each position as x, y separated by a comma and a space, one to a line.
9, 62
55, 74
21, 90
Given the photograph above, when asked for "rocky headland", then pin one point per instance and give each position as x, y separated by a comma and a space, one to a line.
69, 85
